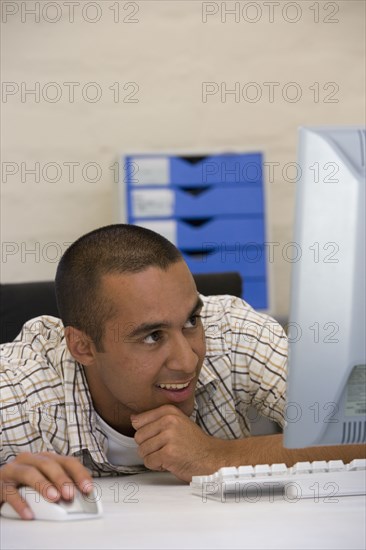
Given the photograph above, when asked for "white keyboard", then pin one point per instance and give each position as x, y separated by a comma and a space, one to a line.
316, 480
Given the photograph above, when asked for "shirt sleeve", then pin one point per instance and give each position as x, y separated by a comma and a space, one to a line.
17, 433
26, 380
259, 351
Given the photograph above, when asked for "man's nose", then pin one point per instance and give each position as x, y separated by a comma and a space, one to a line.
181, 355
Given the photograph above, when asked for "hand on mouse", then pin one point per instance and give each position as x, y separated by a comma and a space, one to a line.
52, 475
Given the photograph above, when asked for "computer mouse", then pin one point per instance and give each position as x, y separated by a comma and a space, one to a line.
82, 507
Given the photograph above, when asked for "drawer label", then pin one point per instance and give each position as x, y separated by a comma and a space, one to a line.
150, 171
166, 228
148, 203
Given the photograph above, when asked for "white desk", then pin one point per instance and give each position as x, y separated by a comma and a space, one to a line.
155, 510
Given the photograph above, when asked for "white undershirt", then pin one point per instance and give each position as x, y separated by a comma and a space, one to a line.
121, 450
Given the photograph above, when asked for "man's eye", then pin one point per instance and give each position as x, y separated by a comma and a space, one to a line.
152, 338
192, 321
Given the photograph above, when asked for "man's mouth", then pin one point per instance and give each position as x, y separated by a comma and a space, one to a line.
174, 386
177, 392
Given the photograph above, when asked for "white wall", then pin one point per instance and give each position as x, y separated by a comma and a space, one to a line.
168, 52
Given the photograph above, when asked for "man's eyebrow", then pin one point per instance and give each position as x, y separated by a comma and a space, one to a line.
199, 305
146, 328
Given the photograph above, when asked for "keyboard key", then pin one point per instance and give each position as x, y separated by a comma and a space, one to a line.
262, 469
357, 464
228, 472
246, 471
319, 466
301, 468
336, 466
279, 469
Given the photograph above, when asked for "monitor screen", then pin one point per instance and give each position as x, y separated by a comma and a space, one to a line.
326, 393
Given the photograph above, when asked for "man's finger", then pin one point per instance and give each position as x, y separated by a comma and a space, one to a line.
147, 432
152, 445
155, 461
11, 495
78, 473
140, 420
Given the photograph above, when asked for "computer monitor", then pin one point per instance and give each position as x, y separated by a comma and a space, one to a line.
326, 395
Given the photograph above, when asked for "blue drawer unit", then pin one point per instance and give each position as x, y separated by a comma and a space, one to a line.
211, 207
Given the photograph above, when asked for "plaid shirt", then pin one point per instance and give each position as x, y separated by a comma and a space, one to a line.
46, 404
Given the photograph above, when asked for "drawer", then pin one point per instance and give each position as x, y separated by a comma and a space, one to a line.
255, 292
212, 201
193, 170
215, 232
248, 261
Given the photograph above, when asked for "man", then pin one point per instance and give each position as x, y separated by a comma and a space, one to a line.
141, 373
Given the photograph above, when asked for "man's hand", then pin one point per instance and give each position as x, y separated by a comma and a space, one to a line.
52, 475
169, 440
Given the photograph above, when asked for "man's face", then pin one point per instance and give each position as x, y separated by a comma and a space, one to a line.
153, 348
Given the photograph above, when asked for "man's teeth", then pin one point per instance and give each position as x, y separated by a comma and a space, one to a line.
174, 386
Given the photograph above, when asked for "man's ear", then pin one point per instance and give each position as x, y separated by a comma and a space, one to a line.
80, 346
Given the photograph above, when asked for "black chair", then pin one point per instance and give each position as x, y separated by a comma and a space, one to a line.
20, 302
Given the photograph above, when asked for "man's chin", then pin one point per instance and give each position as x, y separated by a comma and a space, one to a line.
186, 408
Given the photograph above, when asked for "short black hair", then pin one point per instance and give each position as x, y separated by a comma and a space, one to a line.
118, 248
